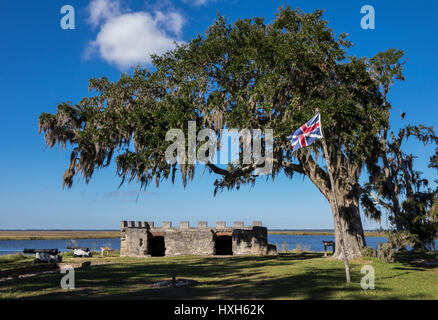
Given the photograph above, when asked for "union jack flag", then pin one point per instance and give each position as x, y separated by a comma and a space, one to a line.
306, 134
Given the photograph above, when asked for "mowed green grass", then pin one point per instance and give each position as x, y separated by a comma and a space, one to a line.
286, 276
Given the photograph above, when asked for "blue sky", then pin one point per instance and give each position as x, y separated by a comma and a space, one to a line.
43, 65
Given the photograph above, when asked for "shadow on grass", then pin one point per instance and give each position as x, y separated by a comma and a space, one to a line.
417, 261
287, 276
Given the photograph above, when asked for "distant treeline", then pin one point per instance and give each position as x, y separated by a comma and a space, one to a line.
57, 234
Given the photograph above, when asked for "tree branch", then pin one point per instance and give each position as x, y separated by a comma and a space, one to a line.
296, 167
235, 173
379, 201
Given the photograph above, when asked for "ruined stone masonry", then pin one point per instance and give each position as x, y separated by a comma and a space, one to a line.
143, 239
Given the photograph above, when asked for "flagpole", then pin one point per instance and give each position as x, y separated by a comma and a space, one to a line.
335, 201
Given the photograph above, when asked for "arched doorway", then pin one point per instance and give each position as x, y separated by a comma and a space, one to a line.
223, 243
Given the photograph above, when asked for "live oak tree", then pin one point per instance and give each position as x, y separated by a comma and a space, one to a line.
243, 75
395, 187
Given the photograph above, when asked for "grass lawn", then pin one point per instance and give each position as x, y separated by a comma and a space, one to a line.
286, 276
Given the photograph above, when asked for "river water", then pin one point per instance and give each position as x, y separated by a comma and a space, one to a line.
290, 242
313, 242
14, 246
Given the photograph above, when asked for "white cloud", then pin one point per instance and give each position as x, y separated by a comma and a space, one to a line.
197, 2
101, 10
128, 39
172, 21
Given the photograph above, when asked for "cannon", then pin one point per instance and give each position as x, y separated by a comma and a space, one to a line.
80, 251
45, 255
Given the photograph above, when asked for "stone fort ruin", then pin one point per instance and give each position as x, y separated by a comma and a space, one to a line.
143, 239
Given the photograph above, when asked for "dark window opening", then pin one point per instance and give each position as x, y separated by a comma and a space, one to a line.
156, 247
223, 245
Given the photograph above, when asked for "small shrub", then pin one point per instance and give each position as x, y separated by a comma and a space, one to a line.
401, 239
385, 252
369, 252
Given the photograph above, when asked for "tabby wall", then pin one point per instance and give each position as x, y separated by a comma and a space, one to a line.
143, 239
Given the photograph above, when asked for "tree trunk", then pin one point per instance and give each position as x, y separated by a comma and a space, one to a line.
348, 191
350, 221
